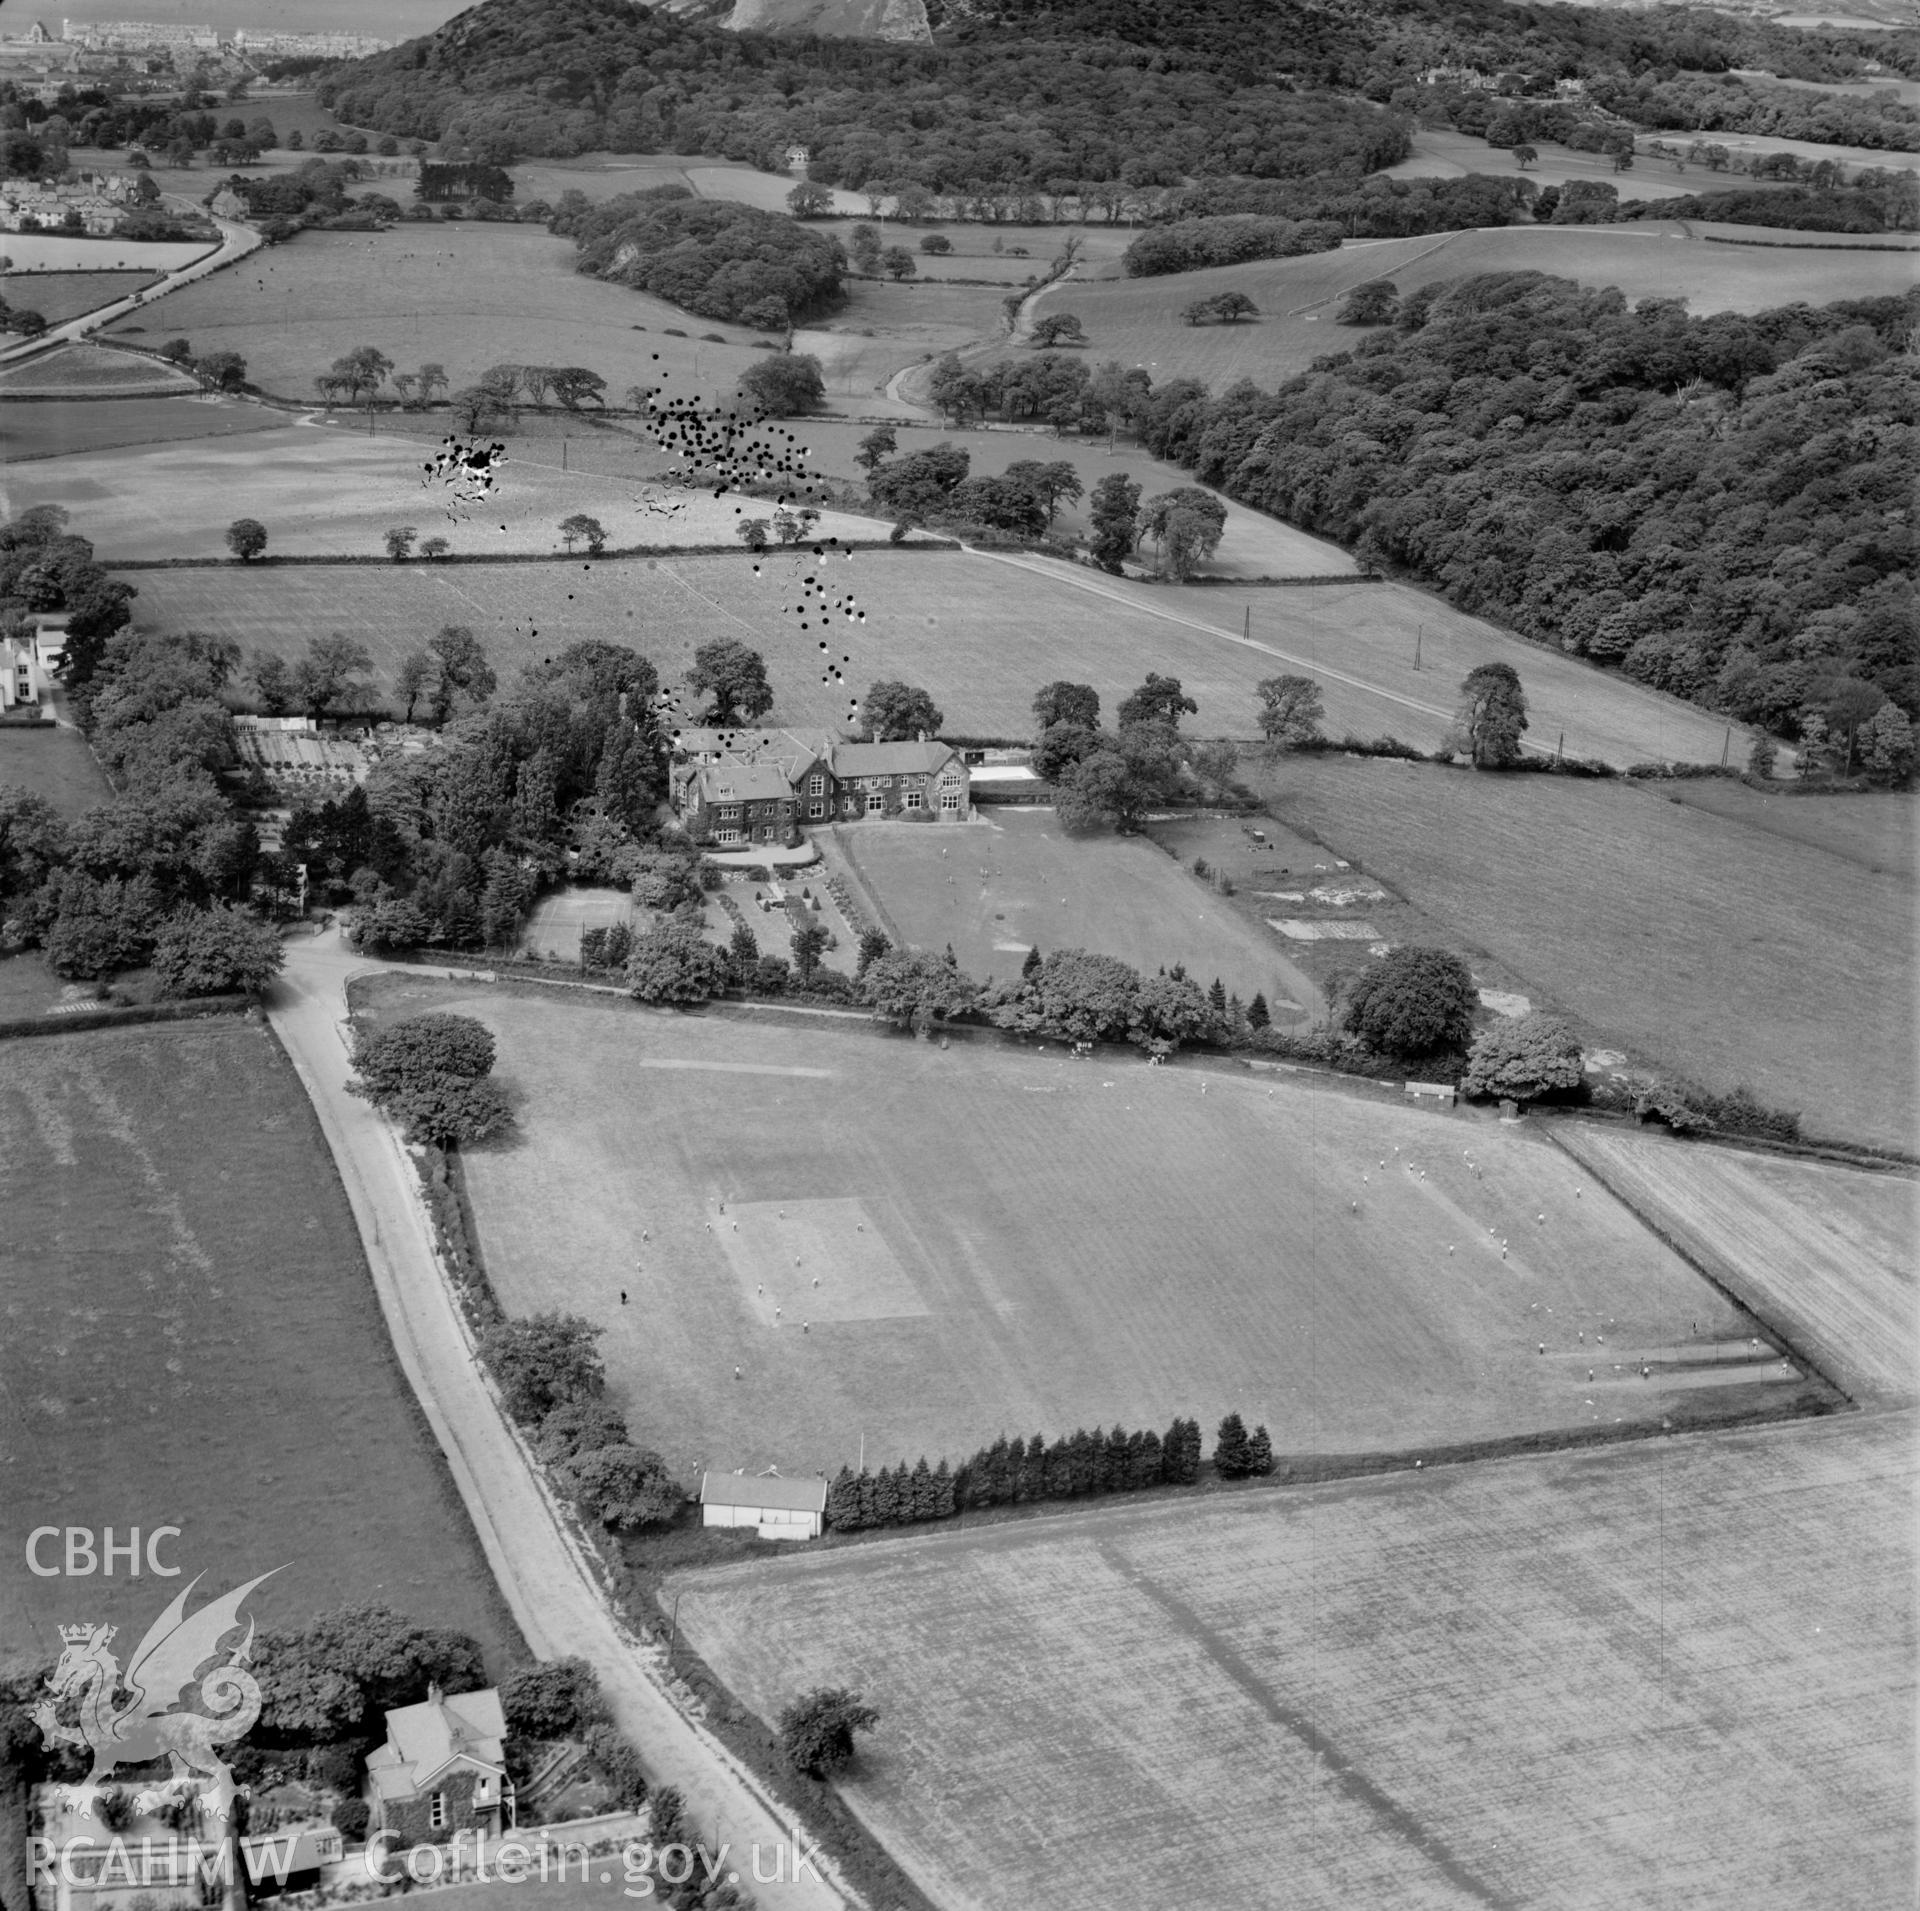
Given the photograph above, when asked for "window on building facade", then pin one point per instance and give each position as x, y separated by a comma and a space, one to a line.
913, 800
729, 836
730, 813
875, 803
949, 777
437, 1811
816, 809
950, 800
816, 786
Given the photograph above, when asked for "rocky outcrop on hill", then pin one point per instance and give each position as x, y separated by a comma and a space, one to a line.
835, 19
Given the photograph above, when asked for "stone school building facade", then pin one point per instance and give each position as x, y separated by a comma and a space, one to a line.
735, 787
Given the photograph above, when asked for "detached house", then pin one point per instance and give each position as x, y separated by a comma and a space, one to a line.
735, 787
443, 1769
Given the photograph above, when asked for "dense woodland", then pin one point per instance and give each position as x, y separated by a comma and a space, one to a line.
715, 257
1027, 94
1719, 506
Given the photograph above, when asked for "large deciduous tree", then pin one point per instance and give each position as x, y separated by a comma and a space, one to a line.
213, 951
784, 384
546, 1361
1114, 510
1413, 1003
915, 989
246, 538
734, 676
1524, 1057
1291, 710
892, 711
816, 1730
1064, 702
1491, 717
676, 966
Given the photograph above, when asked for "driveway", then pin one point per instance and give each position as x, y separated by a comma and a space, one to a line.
550, 1584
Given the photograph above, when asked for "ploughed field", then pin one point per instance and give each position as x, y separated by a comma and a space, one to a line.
1008, 1239
1668, 1673
191, 1339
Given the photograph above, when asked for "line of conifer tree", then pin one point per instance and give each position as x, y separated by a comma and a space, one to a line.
1015, 1471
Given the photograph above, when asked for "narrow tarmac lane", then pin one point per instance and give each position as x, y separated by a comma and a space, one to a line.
547, 1583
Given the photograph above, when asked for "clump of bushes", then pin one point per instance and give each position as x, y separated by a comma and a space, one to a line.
1524, 1058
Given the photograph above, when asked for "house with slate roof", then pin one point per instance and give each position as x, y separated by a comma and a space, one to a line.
443, 1769
731, 788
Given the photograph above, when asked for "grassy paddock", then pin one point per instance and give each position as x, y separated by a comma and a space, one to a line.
983, 635
55, 430
464, 294
1138, 320
59, 296
1663, 1673
331, 489
52, 760
91, 372
1706, 943
1005, 1241
192, 1339
995, 890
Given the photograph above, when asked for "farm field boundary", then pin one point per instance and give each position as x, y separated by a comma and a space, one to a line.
1821, 1255
65, 1020
1360, 1650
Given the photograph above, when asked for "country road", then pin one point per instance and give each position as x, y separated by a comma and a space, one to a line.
236, 241
547, 1582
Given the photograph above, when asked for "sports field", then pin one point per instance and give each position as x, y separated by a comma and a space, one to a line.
464, 295
1006, 1238
994, 890
1827, 1253
981, 633
1138, 321
1703, 942
192, 1340
1679, 1673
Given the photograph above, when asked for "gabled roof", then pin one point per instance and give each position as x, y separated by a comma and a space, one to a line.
888, 759
423, 1740
730, 782
750, 740
763, 1489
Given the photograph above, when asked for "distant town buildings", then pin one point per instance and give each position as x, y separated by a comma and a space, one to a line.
138, 35
156, 36
295, 46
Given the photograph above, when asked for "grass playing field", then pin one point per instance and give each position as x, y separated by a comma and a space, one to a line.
1827, 1253
1138, 321
1678, 1673
981, 633
1010, 1239
1705, 942
996, 889
192, 1339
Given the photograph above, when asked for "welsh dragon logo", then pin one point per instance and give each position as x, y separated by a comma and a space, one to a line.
130, 1718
